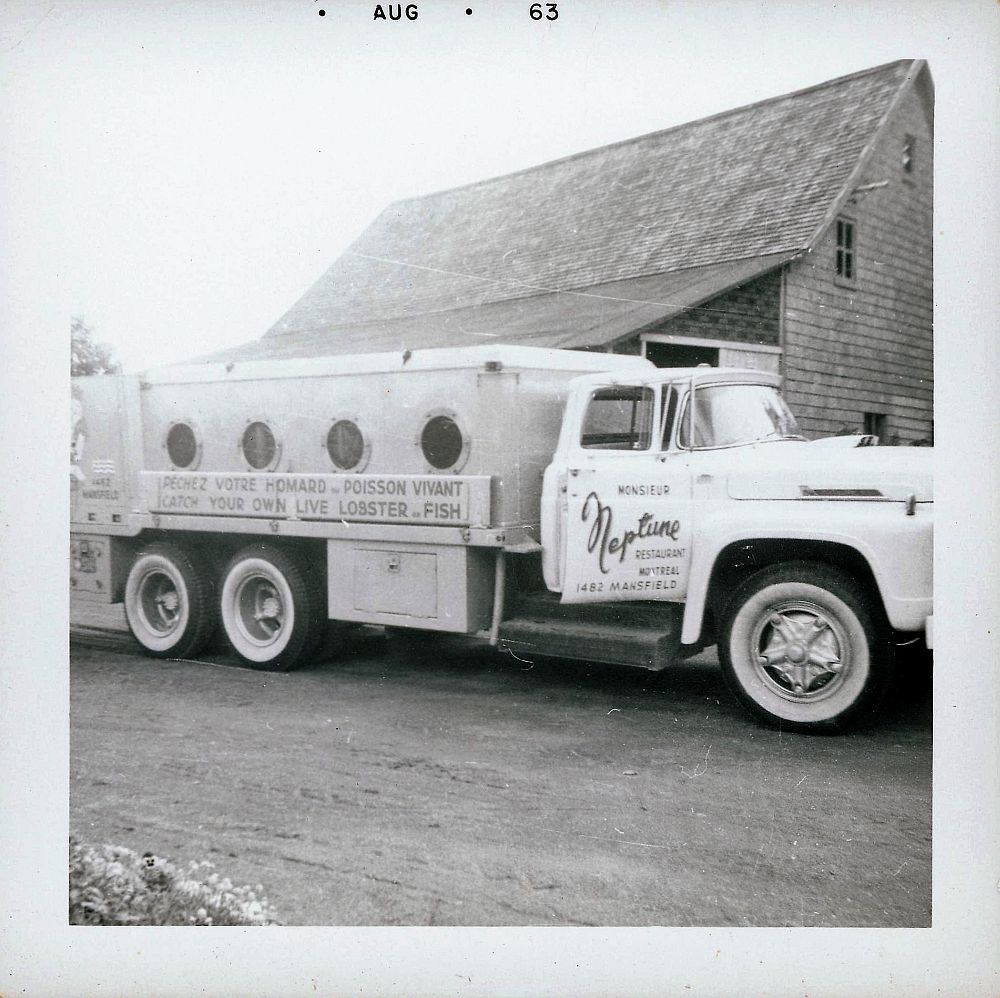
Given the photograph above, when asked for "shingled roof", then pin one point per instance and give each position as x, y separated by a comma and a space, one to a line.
722, 198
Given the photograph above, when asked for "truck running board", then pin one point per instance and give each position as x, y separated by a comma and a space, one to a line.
646, 635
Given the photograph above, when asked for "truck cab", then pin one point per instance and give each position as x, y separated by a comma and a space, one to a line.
694, 488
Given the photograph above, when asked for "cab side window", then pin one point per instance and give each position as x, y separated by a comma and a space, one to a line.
619, 418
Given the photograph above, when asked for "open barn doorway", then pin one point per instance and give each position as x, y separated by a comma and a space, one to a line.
681, 355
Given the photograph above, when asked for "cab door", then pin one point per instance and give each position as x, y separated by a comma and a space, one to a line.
626, 530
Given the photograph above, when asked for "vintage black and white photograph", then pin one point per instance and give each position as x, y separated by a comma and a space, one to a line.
503, 495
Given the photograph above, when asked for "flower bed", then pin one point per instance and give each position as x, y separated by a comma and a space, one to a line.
112, 885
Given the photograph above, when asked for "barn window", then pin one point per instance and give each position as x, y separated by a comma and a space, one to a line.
877, 424
846, 269
909, 153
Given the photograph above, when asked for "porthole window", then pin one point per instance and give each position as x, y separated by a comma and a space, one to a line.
444, 445
260, 449
182, 445
346, 445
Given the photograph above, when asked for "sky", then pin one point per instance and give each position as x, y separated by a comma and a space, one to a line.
196, 166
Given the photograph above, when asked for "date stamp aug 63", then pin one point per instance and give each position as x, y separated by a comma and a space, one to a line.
411, 11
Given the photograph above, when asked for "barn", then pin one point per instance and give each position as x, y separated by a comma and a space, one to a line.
793, 235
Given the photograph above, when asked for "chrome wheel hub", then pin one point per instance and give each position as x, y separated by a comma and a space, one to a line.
260, 612
159, 603
800, 650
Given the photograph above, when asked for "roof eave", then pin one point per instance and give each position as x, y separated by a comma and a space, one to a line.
787, 259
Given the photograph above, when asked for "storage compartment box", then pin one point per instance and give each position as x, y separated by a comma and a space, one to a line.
437, 587
399, 582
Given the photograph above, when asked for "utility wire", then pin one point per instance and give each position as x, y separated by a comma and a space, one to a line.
540, 287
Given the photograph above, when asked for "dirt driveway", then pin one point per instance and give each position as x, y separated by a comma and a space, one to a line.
462, 787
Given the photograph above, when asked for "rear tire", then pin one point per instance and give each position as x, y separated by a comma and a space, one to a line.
803, 648
273, 607
169, 602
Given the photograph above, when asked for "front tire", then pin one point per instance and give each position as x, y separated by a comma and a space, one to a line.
272, 608
802, 648
169, 602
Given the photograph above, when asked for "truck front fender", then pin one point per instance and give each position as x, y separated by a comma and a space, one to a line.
896, 547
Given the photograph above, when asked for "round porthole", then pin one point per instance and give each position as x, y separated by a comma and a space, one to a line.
346, 445
182, 445
443, 444
260, 449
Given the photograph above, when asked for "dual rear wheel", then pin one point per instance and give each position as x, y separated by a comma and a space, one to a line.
270, 603
169, 601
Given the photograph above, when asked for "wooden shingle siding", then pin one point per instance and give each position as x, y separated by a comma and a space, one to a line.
869, 347
748, 314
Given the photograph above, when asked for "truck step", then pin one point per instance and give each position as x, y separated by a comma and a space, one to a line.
640, 634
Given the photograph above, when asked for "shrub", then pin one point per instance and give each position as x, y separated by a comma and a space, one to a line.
111, 885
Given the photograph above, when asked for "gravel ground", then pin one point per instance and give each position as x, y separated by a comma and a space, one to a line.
457, 786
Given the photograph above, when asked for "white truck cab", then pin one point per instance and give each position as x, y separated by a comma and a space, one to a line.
694, 487
552, 502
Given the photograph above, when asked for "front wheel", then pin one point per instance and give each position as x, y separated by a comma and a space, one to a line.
801, 647
272, 608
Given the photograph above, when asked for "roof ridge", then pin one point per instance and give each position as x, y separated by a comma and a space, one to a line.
659, 132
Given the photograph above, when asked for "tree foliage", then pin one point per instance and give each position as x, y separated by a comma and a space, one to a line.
87, 356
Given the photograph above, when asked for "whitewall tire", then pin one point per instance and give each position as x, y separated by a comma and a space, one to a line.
801, 647
169, 602
272, 607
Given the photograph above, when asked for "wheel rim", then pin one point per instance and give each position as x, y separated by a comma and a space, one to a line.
800, 651
261, 613
160, 603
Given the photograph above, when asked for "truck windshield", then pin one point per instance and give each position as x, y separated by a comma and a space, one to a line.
727, 415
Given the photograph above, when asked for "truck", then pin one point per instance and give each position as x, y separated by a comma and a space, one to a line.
569, 504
